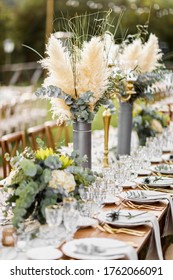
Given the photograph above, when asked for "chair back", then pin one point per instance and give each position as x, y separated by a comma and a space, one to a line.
10, 143
35, 132
55, 132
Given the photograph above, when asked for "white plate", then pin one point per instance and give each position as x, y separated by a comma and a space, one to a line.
123, 218
86, 222
142, 196
129, 184
167, 157
87, 248
144, 172
44, 253
156, 159
162, 182
110, 200
163, 168
8, 253
166, 149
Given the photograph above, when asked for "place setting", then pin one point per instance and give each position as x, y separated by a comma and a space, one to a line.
155, 181
98, 248
149, 196
163, 169
134, 218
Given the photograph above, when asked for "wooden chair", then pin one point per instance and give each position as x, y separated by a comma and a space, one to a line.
169, 253
54, 134
10, 143
35, 132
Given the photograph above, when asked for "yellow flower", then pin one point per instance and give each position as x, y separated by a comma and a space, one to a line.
43, 153
65, 161
137, 110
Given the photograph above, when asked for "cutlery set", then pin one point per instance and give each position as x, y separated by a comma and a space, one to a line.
162, 175
107, 228
166, 191
140, 206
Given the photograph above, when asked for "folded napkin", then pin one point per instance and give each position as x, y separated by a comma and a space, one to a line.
128, 251
151, 195
155, 249
168, 227
119, 251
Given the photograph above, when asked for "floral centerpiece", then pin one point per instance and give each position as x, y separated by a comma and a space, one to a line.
78, 79
43, 178
140, 66
148, 122
137, 66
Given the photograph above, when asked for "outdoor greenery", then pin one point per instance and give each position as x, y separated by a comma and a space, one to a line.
148, 122
24, 21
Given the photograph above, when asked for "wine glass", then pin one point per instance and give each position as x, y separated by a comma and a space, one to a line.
121, 174
70, 219
54, 216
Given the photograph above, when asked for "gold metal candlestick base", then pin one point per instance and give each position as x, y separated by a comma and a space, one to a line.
106, 122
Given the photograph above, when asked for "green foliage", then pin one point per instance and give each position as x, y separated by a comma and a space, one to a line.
16, 19
148, 122
36, 183
80, 108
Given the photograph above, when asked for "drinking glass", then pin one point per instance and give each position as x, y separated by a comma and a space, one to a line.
69, 203
70, 219
21, 241
54, 214
121, 174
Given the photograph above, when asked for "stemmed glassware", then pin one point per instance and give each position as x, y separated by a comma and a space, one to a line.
54, 216
121, 174
70, 217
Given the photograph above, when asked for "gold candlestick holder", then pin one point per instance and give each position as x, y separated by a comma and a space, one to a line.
129, 91
106, 122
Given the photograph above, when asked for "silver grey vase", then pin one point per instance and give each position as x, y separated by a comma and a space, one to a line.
82, 140
124, 128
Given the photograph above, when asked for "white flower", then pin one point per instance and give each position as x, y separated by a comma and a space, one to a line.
9, 179
60, 110
75, 73
111, 49
62, 179
141, 57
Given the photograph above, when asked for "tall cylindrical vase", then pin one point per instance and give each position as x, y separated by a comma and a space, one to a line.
82, 140
124, 128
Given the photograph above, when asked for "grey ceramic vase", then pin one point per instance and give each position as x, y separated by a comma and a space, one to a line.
82, 140
124, 128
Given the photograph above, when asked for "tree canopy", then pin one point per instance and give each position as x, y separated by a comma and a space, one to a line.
24, 21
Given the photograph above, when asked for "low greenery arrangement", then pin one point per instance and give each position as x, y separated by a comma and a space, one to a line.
148, 122
43, 178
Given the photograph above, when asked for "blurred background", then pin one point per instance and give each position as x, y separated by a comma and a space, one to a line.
29, 22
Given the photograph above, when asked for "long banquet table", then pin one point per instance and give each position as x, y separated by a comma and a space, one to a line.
140, 243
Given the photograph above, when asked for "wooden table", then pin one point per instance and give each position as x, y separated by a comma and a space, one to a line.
140, 242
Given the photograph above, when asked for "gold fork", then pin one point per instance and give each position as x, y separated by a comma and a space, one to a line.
110, 229
146, 206
162, 175
158, 189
